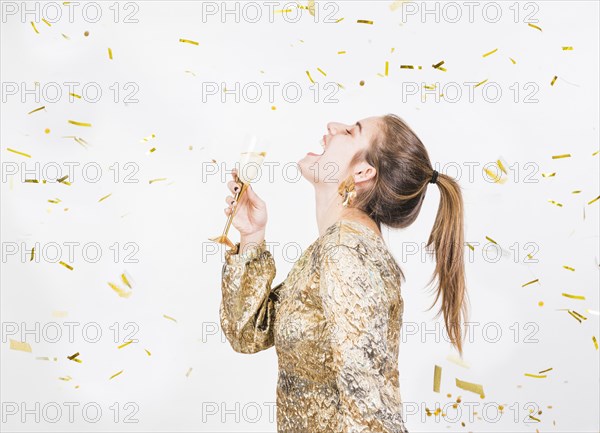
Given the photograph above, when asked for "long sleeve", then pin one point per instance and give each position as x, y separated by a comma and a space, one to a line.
356, 307
247, 310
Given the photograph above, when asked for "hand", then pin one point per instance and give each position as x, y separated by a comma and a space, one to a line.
250, 218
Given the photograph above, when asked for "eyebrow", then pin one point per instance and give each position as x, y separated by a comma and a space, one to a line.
359, 127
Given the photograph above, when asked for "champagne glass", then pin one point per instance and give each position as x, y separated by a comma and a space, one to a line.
252, 154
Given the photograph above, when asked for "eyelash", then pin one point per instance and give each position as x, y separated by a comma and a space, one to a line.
348, 132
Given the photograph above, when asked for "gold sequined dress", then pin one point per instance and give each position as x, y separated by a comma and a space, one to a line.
335, 323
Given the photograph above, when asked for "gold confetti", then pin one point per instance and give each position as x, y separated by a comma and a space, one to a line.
74, 357
471, 246
73, 122
439, 66
364, 21
152, 150
494, 176
59, 314
309, 77
531, 282
569, 268
65, 36
491, 240
55, 201
473, 387
501, 166
546, 370
407, 67
534, 26
282, 11
549, 174
86, 33
105, 197
387, 68
595, 341
66, 378
490, 53
47, 130
32, 181
321, 71
567, 295
34, 28
42, 358
311, 7
169, 318
596, 153
437, 378
541, 304
577, 191
362, 82
115, 375
480, 83
43, 107
187, 41
20, 345
553, 80
514, 62
66, 265
555, 203
188, 372
340, 86
339, 19
536, 376
32, 254
594, 200
46, 22
125, 280
18, 153
534, 418
110, 56
160, 179
148, 138
341, 52
567, 48
576, 315
125, 344
148, 352
122, 293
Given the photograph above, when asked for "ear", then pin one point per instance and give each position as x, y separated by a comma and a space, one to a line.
364, 172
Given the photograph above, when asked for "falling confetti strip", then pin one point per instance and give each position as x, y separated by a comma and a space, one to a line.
407, 67
439, 66
148, 138
122, 293
74, 358
567, 48
534, 26
20, 345
147, 352
481, 82
66, 265
26, 155
125, 344
594, 200
364, 21
321, 71
125, 280
577, 316
437, 378
531, 282
490, 53
536, 376
545, 371
471, 246
169, 318
43, 107
387, 68
567, 295
115, 375
34, 28
569, 268
514, 62
110, 55
187, 41
341, 52
66, 378
555, 203
549, 174
309, 77
472, 387
160, 179
188, 372
564, 155
595, 341
65, 36
73, 122
491, 240
553, 80
105, 197
46, 22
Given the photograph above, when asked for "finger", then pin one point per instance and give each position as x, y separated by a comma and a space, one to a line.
229, 200
234, 187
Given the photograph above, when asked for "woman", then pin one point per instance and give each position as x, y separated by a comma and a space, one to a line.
335, 321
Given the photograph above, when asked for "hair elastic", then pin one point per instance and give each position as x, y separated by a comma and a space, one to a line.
434, 177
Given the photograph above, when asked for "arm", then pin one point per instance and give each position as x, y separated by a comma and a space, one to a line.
356, 306
247, 310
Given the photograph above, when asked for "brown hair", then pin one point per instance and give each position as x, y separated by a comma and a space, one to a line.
395, 199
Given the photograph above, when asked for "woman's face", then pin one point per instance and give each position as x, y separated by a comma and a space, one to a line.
341, 143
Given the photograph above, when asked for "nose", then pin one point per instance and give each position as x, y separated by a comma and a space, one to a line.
334, 127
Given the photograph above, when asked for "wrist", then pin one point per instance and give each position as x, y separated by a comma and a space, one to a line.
251, 240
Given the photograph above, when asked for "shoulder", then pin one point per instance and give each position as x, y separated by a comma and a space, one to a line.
345, 234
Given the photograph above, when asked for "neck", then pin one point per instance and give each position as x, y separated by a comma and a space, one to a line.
330, 209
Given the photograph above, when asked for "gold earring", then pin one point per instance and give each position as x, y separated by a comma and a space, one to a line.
347, 190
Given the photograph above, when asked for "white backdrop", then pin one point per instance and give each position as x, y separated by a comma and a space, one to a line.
157, 232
